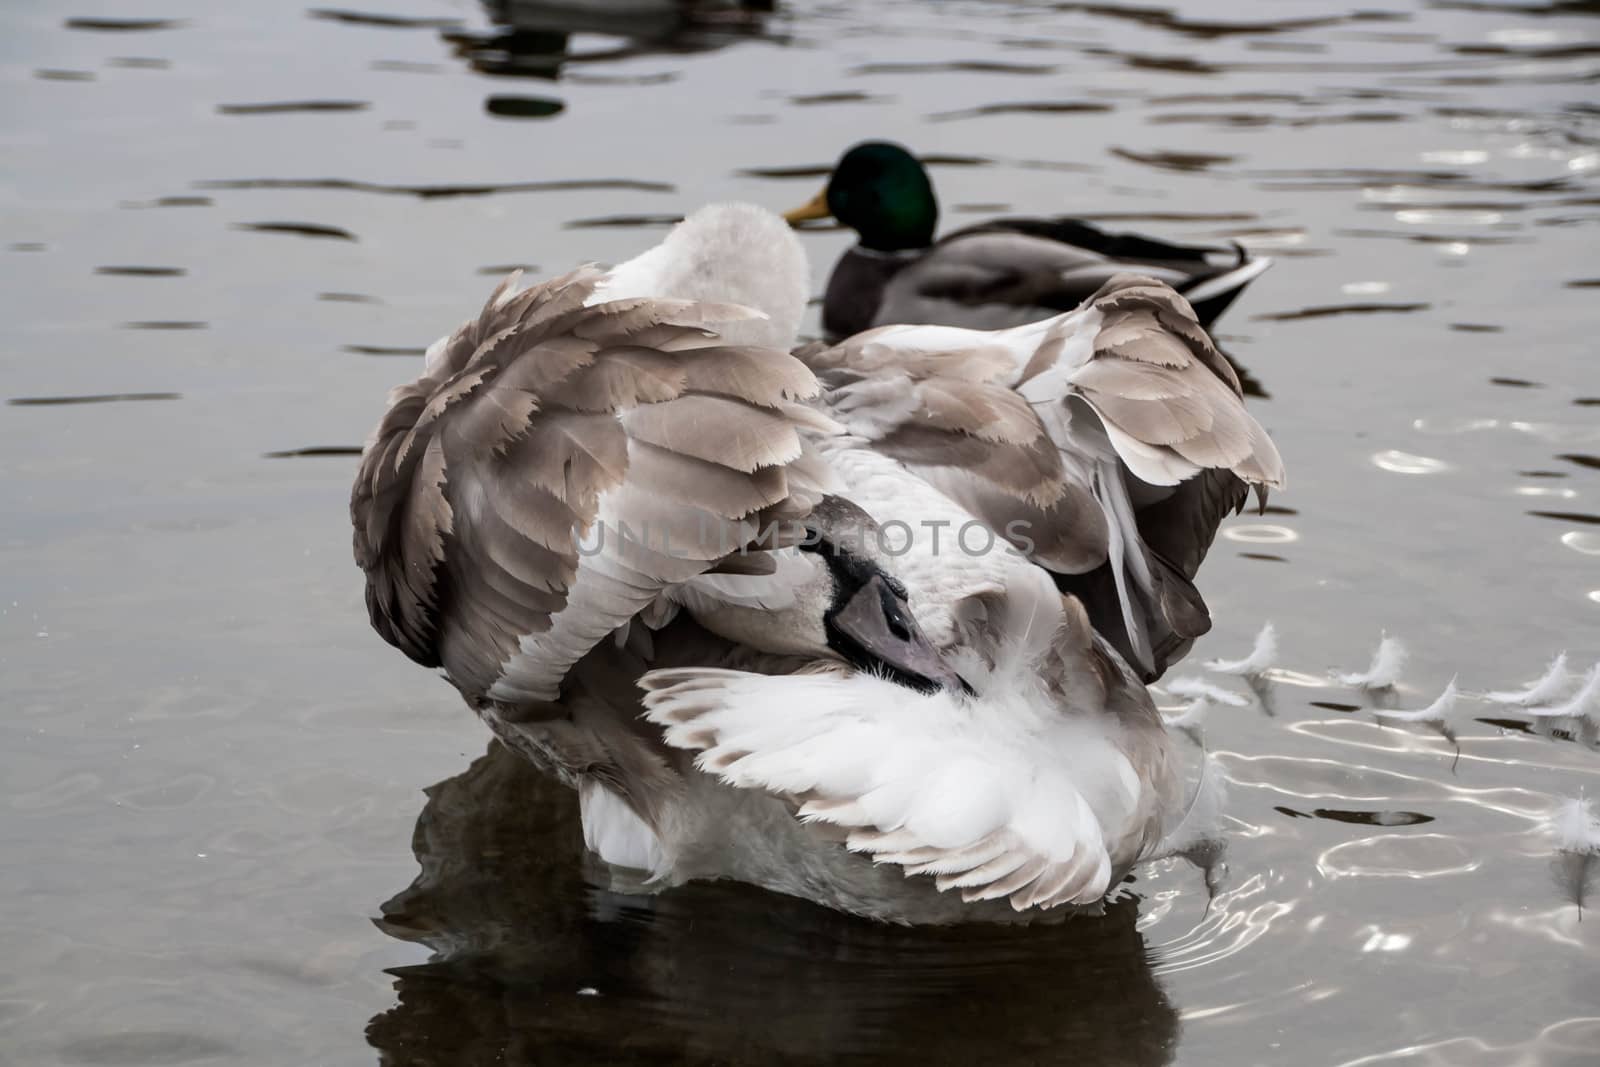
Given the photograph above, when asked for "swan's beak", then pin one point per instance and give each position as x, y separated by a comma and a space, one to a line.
815, 208
879, 621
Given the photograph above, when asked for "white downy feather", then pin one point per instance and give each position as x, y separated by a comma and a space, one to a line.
1261, 659
1200, 836
1191, 687
1202, 822
1575, 826
1190, 719
936, 783
1193, 714
1384, 672
1433, 713
1585, 702
1577, 858
1030, 618
1552, 684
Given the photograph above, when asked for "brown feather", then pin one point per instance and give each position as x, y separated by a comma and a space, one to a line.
750, 374
718, 429
621, 378
720, 490
1029, 472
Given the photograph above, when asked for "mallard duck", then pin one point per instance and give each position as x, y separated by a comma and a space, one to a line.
1000, 273
689, 573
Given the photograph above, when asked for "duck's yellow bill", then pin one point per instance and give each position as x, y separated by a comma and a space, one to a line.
815, 208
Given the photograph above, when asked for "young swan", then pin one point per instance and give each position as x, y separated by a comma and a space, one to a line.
1042, 787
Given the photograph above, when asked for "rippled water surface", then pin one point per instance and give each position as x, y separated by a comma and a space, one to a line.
228, 228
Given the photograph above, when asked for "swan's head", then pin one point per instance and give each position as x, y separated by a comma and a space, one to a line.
729, 254
868, 623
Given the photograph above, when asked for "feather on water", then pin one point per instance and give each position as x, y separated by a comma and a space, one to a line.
1576, 863
1383, 672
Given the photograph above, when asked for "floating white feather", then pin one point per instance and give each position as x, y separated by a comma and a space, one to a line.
1384, 672
1199, 836
1575, 827
1202, 821
1198, 688
1433, 713
1190, 719
1547, 688
1585, 702
1261, 658
1577, 857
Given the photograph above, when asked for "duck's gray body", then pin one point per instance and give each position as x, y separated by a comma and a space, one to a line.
1009, 272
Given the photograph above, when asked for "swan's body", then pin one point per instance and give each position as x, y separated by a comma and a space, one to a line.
883, 720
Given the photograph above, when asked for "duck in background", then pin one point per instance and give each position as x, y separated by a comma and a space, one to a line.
1001, 273
534, 38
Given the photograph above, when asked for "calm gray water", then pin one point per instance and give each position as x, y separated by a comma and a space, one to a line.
213, 775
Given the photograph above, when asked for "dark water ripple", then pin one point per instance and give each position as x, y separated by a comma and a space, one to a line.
103, 398
103, 25
143, 272
381, 21
1330, 310
315, 450
287, 107
383, 350
433, 192
298, 229
623, 222
957, 66
1026, 107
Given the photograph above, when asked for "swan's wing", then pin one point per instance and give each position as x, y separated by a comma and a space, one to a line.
1169, 400
941, 402
924, 781
557, 466
1129, 382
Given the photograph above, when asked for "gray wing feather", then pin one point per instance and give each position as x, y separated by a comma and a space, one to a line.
535, 422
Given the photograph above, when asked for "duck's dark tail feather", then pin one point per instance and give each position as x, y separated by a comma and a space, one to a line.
1210, 296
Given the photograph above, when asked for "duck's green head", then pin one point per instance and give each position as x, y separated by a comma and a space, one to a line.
882, 192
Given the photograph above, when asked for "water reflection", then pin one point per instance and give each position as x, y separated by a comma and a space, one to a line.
534, 39
533, 963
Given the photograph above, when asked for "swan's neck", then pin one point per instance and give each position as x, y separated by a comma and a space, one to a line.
726, 253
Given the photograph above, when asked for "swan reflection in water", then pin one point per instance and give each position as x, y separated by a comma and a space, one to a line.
532, 963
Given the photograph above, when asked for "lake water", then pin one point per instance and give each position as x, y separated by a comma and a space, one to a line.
229, 228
